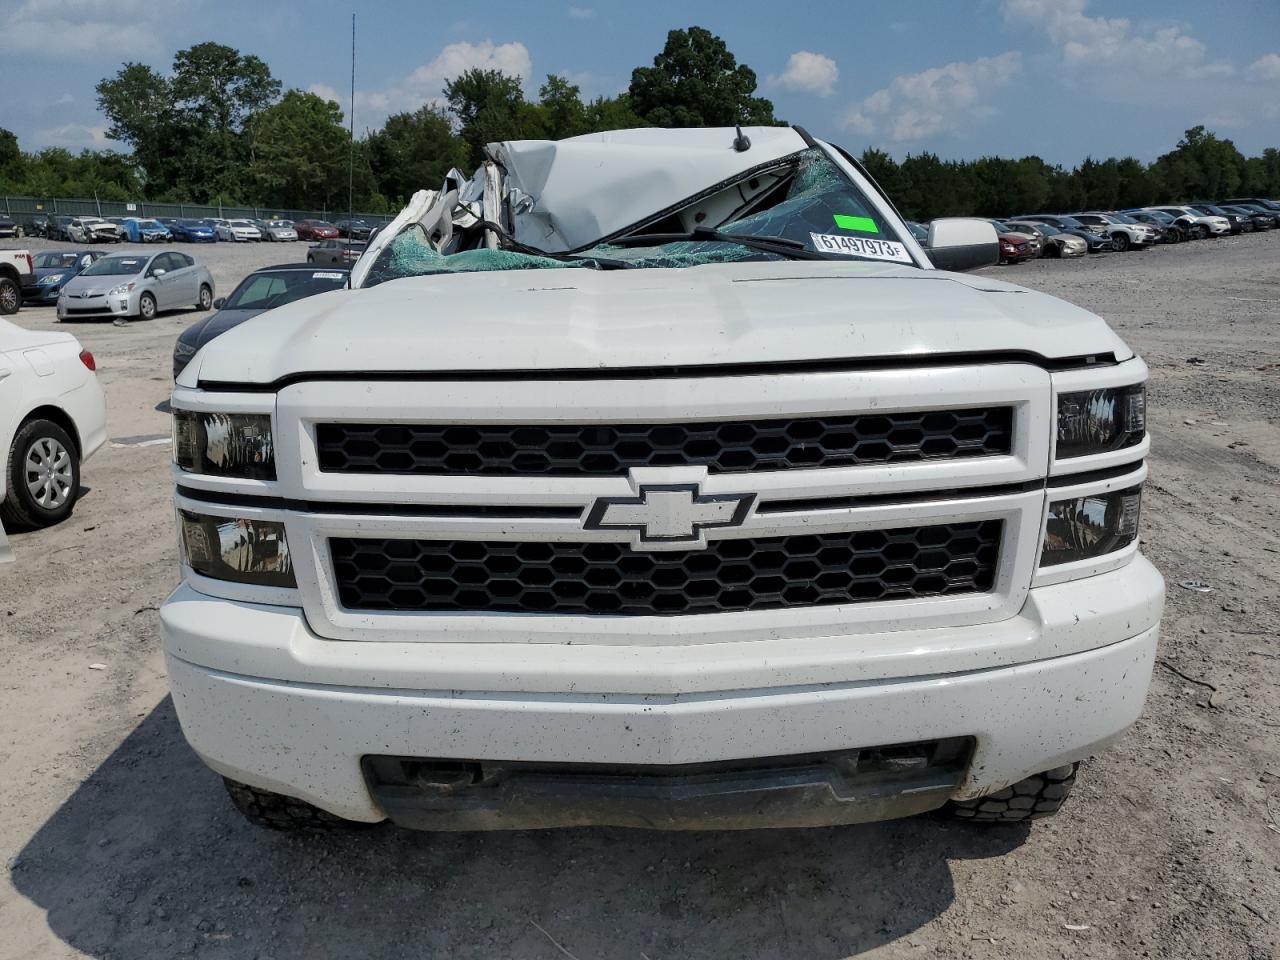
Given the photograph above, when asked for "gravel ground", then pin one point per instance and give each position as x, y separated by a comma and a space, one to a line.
118, 843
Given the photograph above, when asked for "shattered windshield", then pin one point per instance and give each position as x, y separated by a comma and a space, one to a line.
805, 204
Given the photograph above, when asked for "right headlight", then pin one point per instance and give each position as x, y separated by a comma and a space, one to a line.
237, 549
224, 444
1099, 421
1083, 528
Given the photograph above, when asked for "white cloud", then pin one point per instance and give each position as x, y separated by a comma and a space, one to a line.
581, 13
63, 100
58, 28
1266, 67
1158, 67
945, 99
425, 84
73, 136
1115, 46
808, 73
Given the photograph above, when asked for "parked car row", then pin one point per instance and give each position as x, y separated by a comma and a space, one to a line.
1027, 236
92, 229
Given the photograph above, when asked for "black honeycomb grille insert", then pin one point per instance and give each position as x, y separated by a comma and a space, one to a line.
739, 446
610, 578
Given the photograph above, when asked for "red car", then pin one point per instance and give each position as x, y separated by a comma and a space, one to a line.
315, 230
1014, 248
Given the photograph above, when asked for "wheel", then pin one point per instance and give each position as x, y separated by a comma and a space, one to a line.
206, 297
10, 296
275, 811
44, 476
147, 307
1201, 231
311, 259
1031, 799
1120, 241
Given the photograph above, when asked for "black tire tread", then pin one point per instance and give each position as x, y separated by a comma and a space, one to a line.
17, 293
1034, 798
275, 811
14, 514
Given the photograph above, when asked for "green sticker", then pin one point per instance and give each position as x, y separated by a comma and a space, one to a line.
846, 222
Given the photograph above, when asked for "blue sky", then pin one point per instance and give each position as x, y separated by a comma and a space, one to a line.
1059, 78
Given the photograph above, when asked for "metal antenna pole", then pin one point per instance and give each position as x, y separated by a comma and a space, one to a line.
351, 151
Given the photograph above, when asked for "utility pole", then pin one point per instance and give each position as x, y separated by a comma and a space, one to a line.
351, 147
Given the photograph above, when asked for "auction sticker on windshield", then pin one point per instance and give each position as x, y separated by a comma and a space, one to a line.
861, 247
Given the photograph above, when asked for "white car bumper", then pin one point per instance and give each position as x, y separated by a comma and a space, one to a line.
265, 701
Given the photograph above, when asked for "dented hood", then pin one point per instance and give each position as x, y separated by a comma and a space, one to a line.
738, 313
569, 193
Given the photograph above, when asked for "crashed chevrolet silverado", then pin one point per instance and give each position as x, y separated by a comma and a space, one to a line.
658, 478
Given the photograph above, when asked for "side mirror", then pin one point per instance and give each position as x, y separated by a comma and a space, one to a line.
219, 303
158, 272
963, 243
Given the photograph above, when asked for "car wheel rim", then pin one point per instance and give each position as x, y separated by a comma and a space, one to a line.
8, 298
206, 298
48, 473
146, 307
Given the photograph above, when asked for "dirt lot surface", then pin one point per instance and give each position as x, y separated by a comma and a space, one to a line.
118, 843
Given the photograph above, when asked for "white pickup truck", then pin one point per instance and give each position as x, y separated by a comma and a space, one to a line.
16, 269
658, 478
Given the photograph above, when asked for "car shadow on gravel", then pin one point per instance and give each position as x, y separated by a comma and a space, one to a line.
148, 859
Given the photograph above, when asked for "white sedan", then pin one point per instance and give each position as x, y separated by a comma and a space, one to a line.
236, 230
53, 415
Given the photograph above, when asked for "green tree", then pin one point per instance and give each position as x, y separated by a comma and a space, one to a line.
1200, 166
490, 107
300, 154
697, 82
612, 113
414, 151
563, 114
187, 129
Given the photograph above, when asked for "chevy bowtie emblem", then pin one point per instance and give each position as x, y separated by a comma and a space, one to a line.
662, 514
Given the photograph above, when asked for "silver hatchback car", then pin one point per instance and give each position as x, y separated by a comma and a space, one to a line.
137, 285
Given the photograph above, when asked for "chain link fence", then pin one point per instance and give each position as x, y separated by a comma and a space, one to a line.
25, 210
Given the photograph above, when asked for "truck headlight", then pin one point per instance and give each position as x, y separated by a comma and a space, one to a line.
224, 444
1086, 527
238, 549
1098, 421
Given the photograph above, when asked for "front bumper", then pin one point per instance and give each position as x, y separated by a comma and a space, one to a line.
113, 305
41, 295
265, 701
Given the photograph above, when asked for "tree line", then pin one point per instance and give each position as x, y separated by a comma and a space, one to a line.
219, 128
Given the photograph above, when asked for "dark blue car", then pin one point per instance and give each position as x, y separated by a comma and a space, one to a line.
50, 272
193, 231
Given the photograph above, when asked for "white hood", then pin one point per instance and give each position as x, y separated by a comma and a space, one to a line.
588, 187
753, 312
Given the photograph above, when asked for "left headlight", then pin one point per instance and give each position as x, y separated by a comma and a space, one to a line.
50, 280
238, 549
1083, 528
121, 290
1098, 421
224, 444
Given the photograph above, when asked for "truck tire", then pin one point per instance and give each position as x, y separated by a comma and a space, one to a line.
275, 811
10, 296
1031, 799
41, 449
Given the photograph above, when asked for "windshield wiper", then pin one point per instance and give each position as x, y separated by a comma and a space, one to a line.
782, 246
511, 243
